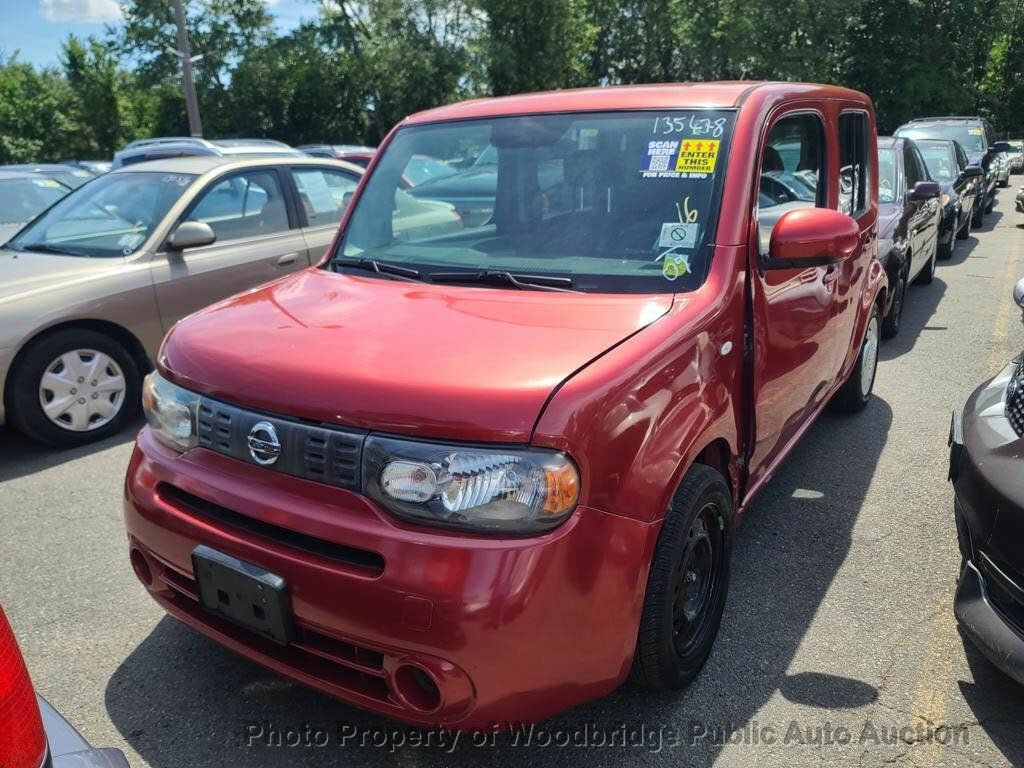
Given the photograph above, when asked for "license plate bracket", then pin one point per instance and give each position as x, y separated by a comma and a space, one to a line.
244, 594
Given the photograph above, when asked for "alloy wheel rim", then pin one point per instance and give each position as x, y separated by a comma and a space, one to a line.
696, 580
869, 354
82, 390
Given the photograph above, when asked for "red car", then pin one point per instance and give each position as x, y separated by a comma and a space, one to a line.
32, 733
478, 476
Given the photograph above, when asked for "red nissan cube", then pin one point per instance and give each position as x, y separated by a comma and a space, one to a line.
472, 476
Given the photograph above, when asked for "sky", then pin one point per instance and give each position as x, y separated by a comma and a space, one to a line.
36, 28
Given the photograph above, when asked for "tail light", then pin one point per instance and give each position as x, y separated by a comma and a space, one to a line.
22, 738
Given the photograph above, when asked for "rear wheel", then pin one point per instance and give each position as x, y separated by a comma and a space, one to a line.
688, 583
74, 387
856, 391
891, 324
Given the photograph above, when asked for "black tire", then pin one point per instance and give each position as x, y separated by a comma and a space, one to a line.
965, 231
927, 273
945, 250
25, 409
856, 392
676, 635
891, 323
991, 205
979, 213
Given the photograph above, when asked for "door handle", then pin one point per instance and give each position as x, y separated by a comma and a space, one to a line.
288, 258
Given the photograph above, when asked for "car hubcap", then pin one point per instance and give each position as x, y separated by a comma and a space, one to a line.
696, 580
869, 357
82, 390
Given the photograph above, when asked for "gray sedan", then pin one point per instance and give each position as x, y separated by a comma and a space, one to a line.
88, 289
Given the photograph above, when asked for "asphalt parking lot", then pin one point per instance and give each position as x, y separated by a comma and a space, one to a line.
838, 645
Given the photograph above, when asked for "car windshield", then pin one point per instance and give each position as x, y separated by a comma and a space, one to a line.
888, 175
940, 159
23, 199
613, 202
971, 137
111, 216
424, 169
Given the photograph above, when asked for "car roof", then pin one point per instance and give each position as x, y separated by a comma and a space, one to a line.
712, 95
889, 142
946, 119
16, 174
201, 164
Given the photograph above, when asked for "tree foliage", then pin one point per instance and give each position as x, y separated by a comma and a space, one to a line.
360, 66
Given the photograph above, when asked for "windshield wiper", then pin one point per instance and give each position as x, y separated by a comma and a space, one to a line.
381, 268
46, 248
501, 277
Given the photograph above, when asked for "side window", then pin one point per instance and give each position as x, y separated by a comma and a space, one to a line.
910, 165
792, 164
922, 166
248, 204
324, 193
961, 156
854, 163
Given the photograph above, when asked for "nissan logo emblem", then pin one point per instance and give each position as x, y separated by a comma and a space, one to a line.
264, 447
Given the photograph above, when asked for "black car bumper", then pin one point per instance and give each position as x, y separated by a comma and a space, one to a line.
986, 470
985, 626
67, 748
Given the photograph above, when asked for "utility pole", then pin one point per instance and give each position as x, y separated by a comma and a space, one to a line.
184, 53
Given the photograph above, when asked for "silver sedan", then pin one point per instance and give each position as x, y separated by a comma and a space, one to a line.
89, 288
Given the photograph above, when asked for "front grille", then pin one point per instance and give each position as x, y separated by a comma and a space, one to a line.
363, 559
329, 455
1015, 399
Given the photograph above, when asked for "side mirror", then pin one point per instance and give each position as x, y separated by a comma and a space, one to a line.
811, 237
974, 172
1000, 146
191, 234
925, 190
1018, 293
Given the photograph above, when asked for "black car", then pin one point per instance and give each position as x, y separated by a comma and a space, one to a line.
961, 185
986, 441
908, 223
977, 138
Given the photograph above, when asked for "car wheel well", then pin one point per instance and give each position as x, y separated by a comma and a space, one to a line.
116, 332
718, 456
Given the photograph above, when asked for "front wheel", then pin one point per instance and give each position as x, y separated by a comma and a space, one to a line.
856, 390
74, 387
891, 324
927, 273
979, 213
965, 231
687, 584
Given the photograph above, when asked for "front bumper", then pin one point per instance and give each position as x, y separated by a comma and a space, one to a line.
990, 631
985, 468
507, 630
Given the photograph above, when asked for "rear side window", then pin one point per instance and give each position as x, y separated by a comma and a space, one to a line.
854, 163
913, 167
791, 166
247, 204
324, 194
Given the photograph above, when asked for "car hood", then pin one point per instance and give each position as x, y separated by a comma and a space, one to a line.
23, 274
436, 361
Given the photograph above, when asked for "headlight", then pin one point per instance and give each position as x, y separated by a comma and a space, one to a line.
515, 491
171, 412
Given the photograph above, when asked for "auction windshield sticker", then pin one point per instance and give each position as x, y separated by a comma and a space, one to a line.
679, 158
